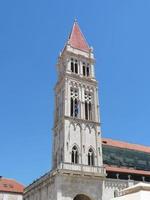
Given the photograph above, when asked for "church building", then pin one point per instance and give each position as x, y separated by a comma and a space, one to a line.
85, 165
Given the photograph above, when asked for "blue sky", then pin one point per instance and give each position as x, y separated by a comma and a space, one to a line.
32, 33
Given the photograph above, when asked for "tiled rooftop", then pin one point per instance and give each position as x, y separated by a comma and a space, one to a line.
10, 185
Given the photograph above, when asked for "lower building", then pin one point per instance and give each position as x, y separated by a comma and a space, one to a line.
10, 189
140, 191
126, 164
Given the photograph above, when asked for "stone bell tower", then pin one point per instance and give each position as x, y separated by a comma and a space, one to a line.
77, 150
78, 172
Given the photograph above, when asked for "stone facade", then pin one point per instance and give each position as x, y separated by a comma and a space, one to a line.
64, 185
111, 187
10, 196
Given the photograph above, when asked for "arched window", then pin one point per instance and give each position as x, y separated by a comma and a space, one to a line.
71, 107
81, 197
86, 110
91, 157
90, 111
88, 106
84, 73
86, 69
74, 66
75, 155
74, 103
76, 107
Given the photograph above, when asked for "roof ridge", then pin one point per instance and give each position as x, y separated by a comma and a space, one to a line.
132, 143
12, 179
126, 145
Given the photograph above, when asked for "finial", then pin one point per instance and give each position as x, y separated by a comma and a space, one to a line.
91, 49
75, 19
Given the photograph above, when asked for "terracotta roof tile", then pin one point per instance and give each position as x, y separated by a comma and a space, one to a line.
9, 185
126, 145
77, 39
126, 170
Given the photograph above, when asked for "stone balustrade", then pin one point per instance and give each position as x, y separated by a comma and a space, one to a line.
84, 168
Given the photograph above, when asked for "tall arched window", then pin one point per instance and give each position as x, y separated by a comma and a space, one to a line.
75, 155
74, 66
88, 106
74, 103
91, 157
71, 106
84, 73
86, 69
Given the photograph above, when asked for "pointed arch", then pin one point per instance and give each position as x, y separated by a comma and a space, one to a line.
82, 197
88, 104
87, 127
72, 124
93, 127
75, 144
75, 155
79, 125
93, 131
91, 157
91, 147
74, 102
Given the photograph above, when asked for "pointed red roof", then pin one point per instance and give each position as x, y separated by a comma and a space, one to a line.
77, 39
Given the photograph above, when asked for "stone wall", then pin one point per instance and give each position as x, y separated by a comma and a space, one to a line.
112, 186
10, 196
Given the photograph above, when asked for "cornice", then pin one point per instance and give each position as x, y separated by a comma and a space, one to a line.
79, 120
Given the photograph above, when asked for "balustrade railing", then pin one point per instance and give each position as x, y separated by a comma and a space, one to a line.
84, 168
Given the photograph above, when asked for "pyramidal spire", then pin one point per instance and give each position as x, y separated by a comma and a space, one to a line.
77, 39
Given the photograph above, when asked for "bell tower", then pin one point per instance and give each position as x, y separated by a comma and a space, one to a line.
77, 133
78, 172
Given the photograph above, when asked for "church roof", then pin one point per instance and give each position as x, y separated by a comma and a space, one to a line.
10, 185
77, 39
123, 157
126, 170
126, 145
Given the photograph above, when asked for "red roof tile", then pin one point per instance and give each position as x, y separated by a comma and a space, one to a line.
126, 145
126, 170
77, 39
9, 185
